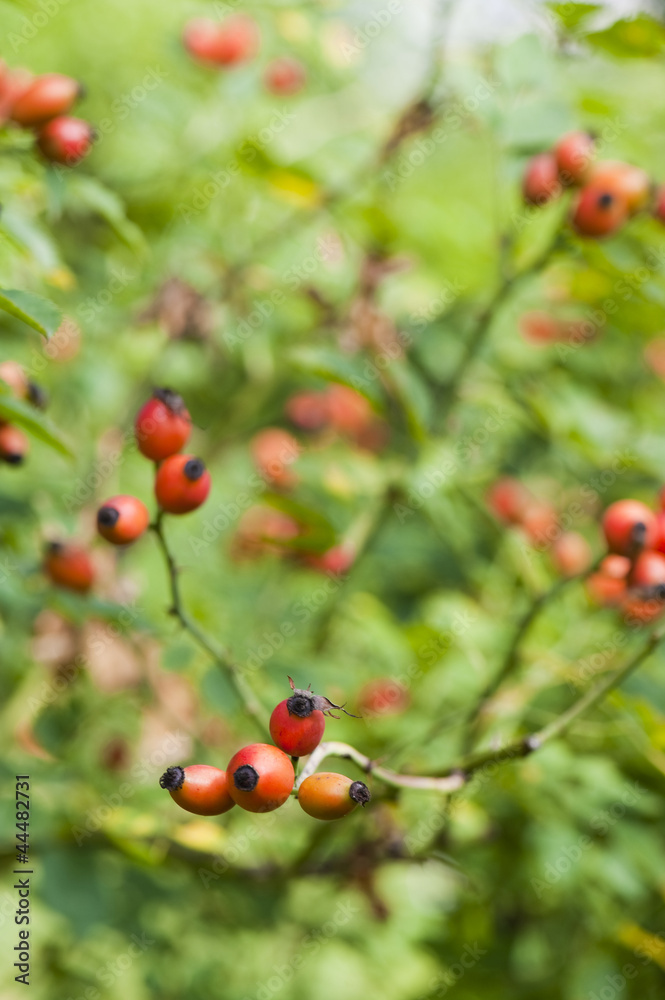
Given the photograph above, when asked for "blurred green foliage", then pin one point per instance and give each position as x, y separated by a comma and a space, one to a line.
544, 879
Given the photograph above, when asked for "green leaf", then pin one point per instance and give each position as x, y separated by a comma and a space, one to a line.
32, 421
634, 37
39, 313
88, 193
359, 373
572, 15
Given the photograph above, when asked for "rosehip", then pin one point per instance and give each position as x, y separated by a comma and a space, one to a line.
47, 96
539, 327
574, 153
14, 445
659, 543
627, 182
629, 526
66, 140
70, 566
182, 484
122, 519
339, 559
541, 179
308, 410
13, 85
297, 725
648, 570
326, 795
273, 451
199, 789
234, 41
571, 553
260, 777
599, 212
13, 375
539, 520
383, 696
162, 425
507, 498
284, 76
349, 411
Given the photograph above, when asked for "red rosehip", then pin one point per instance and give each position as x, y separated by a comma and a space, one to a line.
65, 140
599, 211
68, 565
162, 425
233, 41
629, 526
296, 725
337, 560
326, 795
571, 553
507, 498
13, 84
540, 328
260, 777
574, 155
539, 520
625, 181
182, 484
122, 519
541, 180
199, 789
648, 570
284, 76
659, 542
14, 445
46, 97
383, 696
349, 411
308, 410
274, 450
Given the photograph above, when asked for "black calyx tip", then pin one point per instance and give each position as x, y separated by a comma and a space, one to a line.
360, 793
245, 778
107, 517
13, 458
194, 469
173, 778
54, 548
37, 396
605, 200
172, 400
300, 705
638, 535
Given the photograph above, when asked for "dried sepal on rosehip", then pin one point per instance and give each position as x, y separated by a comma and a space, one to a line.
307, 700
298, 722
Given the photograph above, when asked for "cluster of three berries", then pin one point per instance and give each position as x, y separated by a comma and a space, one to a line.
182, 482
260, 777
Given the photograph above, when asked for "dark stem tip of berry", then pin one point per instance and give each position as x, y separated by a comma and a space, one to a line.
54, 548
245, 778
605, 200
107, 517
171, 399
638, 534
14, 458
37, 396
360, 793
300, 705
194, 469
172, 779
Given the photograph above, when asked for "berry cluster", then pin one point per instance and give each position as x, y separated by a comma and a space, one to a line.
632, 576
14, 444
236, 40
610, 191
182, 482
261, 777
41, 103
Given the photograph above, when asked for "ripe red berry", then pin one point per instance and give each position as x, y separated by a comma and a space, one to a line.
507, 498
297, 724
13, 375
574, 154
233, 41
648, 570
260, 777
13, 84
541, 179
308, 410
540, 328
349, 411
629, 526
199, 789
14, 445
162, 425
625, 181
122, 519
383, 696
65, 140
285, 76
274, 450
599, 211
326, 795
659, 543
182, 484
337, 560
571, 553
46, 97
68, 565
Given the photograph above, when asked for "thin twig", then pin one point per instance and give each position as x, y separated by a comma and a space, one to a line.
450, 783
221, 656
